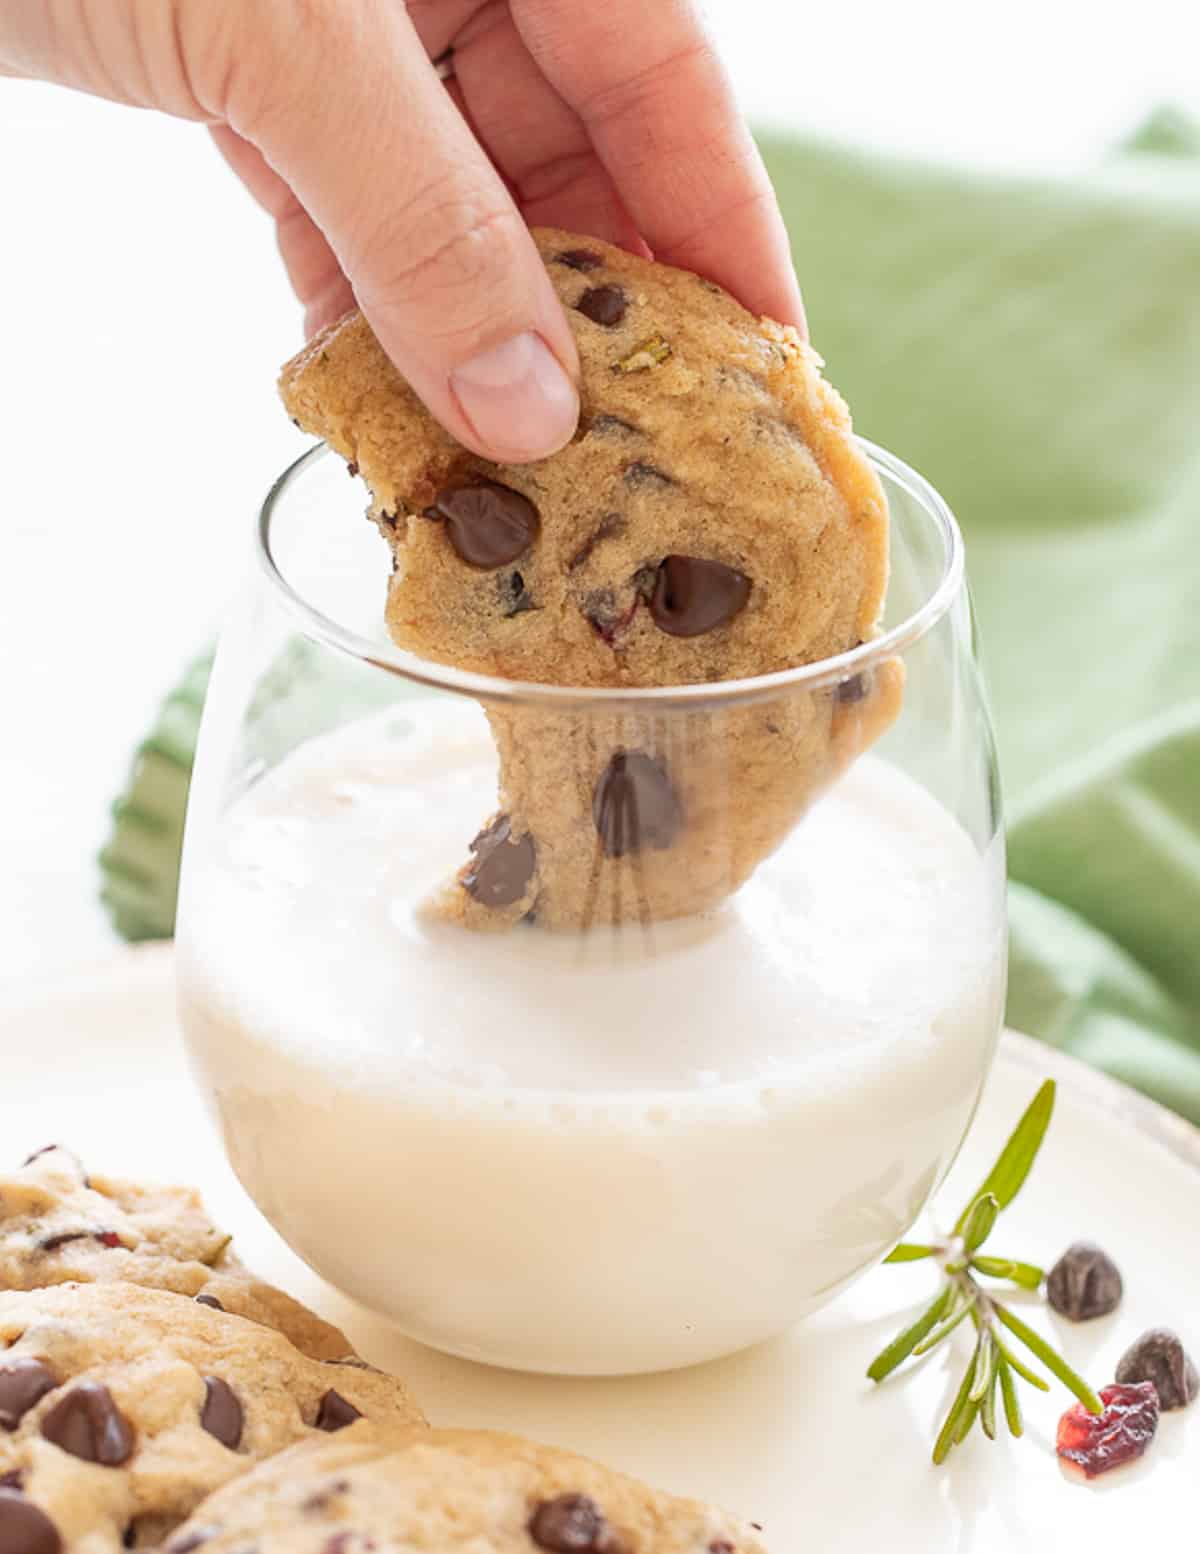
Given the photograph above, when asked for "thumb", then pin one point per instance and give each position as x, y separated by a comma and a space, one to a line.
344, 105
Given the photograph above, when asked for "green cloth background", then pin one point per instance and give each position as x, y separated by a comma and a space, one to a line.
1034, 349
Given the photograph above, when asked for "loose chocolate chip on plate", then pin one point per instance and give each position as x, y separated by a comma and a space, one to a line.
24, 1527
335, 1413
489, 525
88, 1424
222, 1412
572, 1524
209, 1300
1084, 1283
22, 1384
605, 305
634, 805
502, 867
582, 259
692, 595
1159, 1356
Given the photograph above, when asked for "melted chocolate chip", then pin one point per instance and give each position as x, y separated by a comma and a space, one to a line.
611, 525
721, 1546
222, 1412
88, 1424
572, 1524
641, 474
634, 805
25, 1528
129, 1536
335, 1413
209, 1300
1159, 1356
352, 469
692, 596
191, 1540
605, 305
499, 874
22, 1384
489, 525
582, 259
612, 426
1084, 1283
852, 690
61, 1238
515, 598
322, 1499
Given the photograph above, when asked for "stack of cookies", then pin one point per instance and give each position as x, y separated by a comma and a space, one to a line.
154, 1394
713, 521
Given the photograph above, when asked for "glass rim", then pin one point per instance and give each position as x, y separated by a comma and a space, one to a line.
819, 674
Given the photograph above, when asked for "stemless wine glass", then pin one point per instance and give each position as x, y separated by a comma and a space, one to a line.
712, 1081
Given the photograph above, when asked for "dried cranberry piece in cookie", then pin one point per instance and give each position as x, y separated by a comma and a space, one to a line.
692, 595
502, 868
488, 524
1098, 1442
605, 305
22, 1384
634, 805
222, 1414
573, 1524
24, 1528
88, 1424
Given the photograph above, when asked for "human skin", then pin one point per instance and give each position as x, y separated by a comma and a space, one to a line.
412, 195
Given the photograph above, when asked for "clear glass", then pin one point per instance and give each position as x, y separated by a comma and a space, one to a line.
720, 1071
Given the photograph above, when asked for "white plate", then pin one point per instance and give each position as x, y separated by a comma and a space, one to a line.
790, 1434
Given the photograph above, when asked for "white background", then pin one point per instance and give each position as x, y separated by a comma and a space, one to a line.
145, 314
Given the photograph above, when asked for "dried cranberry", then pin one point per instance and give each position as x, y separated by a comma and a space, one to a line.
1099, 1442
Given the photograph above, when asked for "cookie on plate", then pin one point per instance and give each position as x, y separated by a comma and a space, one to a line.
122, 1408
713, 520
452, 1490
59, 1224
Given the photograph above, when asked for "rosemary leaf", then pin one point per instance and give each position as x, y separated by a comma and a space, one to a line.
980, 1221
1012, 1403
1006, 1177
984, 1369
1027, 1275
1017, 1364
908, 1252
987, 1405
1051, 1359
904, 1343
947, 1434
944, 1329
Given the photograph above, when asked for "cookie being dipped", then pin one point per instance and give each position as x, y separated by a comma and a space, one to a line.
712, 521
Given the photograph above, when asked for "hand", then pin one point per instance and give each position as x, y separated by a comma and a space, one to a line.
412, 195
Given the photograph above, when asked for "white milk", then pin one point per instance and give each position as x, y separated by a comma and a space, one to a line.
582, 1154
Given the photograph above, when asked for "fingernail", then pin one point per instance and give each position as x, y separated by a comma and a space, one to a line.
516, 397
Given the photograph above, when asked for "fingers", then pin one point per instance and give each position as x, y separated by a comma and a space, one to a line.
533, 135
662, 116
316, 276
346, 110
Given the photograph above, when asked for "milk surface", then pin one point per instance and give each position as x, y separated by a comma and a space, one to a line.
614, 1152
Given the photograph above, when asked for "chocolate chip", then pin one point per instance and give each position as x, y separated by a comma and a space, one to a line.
12, 1479
88, 1424
222, 1412
1084, 1283
572, 1524
1159, 1356
61, 1238
721, 1546
515, 598
322, 1499
634, 805
643, 474
192, 1540
500, 872
352, 469
611, 525
852, 690
24, 1527
489, 524
612, 426
209, 1300
335, 1413
582, 259
603, 305
22, 1384
46, 1149
129, 1536
692, 596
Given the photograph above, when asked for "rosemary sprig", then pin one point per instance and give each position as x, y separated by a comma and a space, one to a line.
993, 1367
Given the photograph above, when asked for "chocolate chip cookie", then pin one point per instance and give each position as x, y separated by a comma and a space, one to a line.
452, 1490
713, 520
122, 1408
58, 1224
